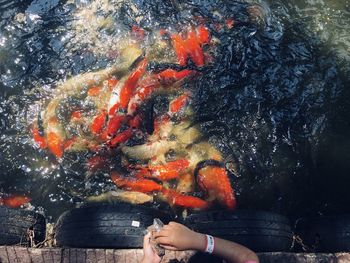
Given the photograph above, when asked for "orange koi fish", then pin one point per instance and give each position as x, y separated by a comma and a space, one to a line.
69, 143
14, 201
121, 137
55, 141
98, 122
168, 171
191, 46
112, 83
123, 92
176, 199
96, 162
114, 124
178, 103
159, 122
203, 34
194, 49
38, 139
148, 85
229, 23
130, 84
171, 74
180, 49
135, 122
76, 114
138, 32
94, 91
214, 180
138, 185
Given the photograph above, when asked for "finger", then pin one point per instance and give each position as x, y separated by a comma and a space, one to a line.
146, 239
163, 240
161, 233
168, 247
166, 227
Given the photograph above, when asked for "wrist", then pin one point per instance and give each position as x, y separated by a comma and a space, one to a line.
200, 243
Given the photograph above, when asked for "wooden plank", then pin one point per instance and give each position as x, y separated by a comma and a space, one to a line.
22, 254
65, 255
73, 255
343, 257
81, 255
91, 256
16, 254
119, 256
100, 255
277, 257
47, 255
56, 254
3, 255
11, 253
110, 255
35, 255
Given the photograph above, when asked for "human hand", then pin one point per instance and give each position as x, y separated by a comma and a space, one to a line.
175, 236
149, 255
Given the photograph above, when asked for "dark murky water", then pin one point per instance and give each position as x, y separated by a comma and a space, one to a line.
277, 101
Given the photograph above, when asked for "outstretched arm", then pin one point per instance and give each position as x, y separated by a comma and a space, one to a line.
175, 236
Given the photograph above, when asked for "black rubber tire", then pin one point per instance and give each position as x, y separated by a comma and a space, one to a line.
258, 230
106, 226
325, 234
15, 223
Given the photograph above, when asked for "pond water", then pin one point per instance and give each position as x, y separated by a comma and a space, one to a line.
275, 101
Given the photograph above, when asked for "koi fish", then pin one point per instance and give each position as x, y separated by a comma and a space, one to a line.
69, 143
132, 197
147, 87
94, 91
96, 163
165, 172
194, 49
180, 49
149, 150
132, 184
203, 34
114, 124
186, 201
98, 122
38, 139
138, 32
173, 75
229, 23
14, 201
215, 182
121, 137
77, 114
178, 103
190, 47
55, 137
124, 90
135, 122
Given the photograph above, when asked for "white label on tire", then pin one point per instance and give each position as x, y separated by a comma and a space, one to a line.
135, 223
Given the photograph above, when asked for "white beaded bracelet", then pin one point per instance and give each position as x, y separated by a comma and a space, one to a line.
210, 244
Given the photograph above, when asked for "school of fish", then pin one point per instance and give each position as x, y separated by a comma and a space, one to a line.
102, 112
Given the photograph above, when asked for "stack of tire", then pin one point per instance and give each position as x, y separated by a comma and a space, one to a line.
123, 226
21, 227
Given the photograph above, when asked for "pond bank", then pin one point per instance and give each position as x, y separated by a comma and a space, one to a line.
44, 255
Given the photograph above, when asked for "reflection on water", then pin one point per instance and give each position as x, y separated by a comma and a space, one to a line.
276, 100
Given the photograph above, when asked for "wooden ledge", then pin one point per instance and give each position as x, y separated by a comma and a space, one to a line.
9, 254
